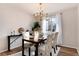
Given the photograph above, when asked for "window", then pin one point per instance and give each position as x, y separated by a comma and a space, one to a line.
50, 24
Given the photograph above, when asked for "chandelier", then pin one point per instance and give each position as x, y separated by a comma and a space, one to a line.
40, 14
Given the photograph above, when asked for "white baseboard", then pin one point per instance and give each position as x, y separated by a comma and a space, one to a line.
69, 46
3, 51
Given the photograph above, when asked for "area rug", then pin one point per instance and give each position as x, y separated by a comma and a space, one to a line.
32, 54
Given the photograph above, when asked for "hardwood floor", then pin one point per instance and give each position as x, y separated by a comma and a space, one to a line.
15, 50
64, 51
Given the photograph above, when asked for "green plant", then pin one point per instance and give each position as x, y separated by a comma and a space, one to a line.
36, 26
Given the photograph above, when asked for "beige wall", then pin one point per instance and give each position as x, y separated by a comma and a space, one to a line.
11, 18
69, 19
78, 29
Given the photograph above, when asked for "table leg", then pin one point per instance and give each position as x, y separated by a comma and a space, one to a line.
8, 43
29, 51
36, 51
22, 47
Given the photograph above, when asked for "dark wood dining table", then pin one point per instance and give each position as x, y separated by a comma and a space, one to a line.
36, 44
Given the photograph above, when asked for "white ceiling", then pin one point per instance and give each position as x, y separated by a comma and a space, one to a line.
48, 7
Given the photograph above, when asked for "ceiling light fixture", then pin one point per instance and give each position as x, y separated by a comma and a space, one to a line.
40, 14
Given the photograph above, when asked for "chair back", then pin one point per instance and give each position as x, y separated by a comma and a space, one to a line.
26, 36
36, 35
55, 38
48, 45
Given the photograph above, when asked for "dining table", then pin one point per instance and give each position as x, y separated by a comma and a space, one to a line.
35, 43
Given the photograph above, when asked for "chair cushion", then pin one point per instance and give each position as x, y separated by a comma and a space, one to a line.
27, 44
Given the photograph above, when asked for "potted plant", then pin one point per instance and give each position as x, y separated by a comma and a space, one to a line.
36, 26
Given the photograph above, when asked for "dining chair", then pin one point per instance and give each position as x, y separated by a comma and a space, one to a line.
46, 49
54, 41
35, 38
36, 35
26, 36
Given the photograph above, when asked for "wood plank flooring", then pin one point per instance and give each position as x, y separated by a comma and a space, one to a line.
15, 50
64, 51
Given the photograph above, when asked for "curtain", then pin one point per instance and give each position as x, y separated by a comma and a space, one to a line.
59, 28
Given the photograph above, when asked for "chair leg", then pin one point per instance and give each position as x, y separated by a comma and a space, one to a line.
54, 50
41, 54
50, 53
56, 47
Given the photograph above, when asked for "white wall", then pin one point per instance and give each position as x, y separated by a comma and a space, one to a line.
78, 30
11, 18
69, 20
